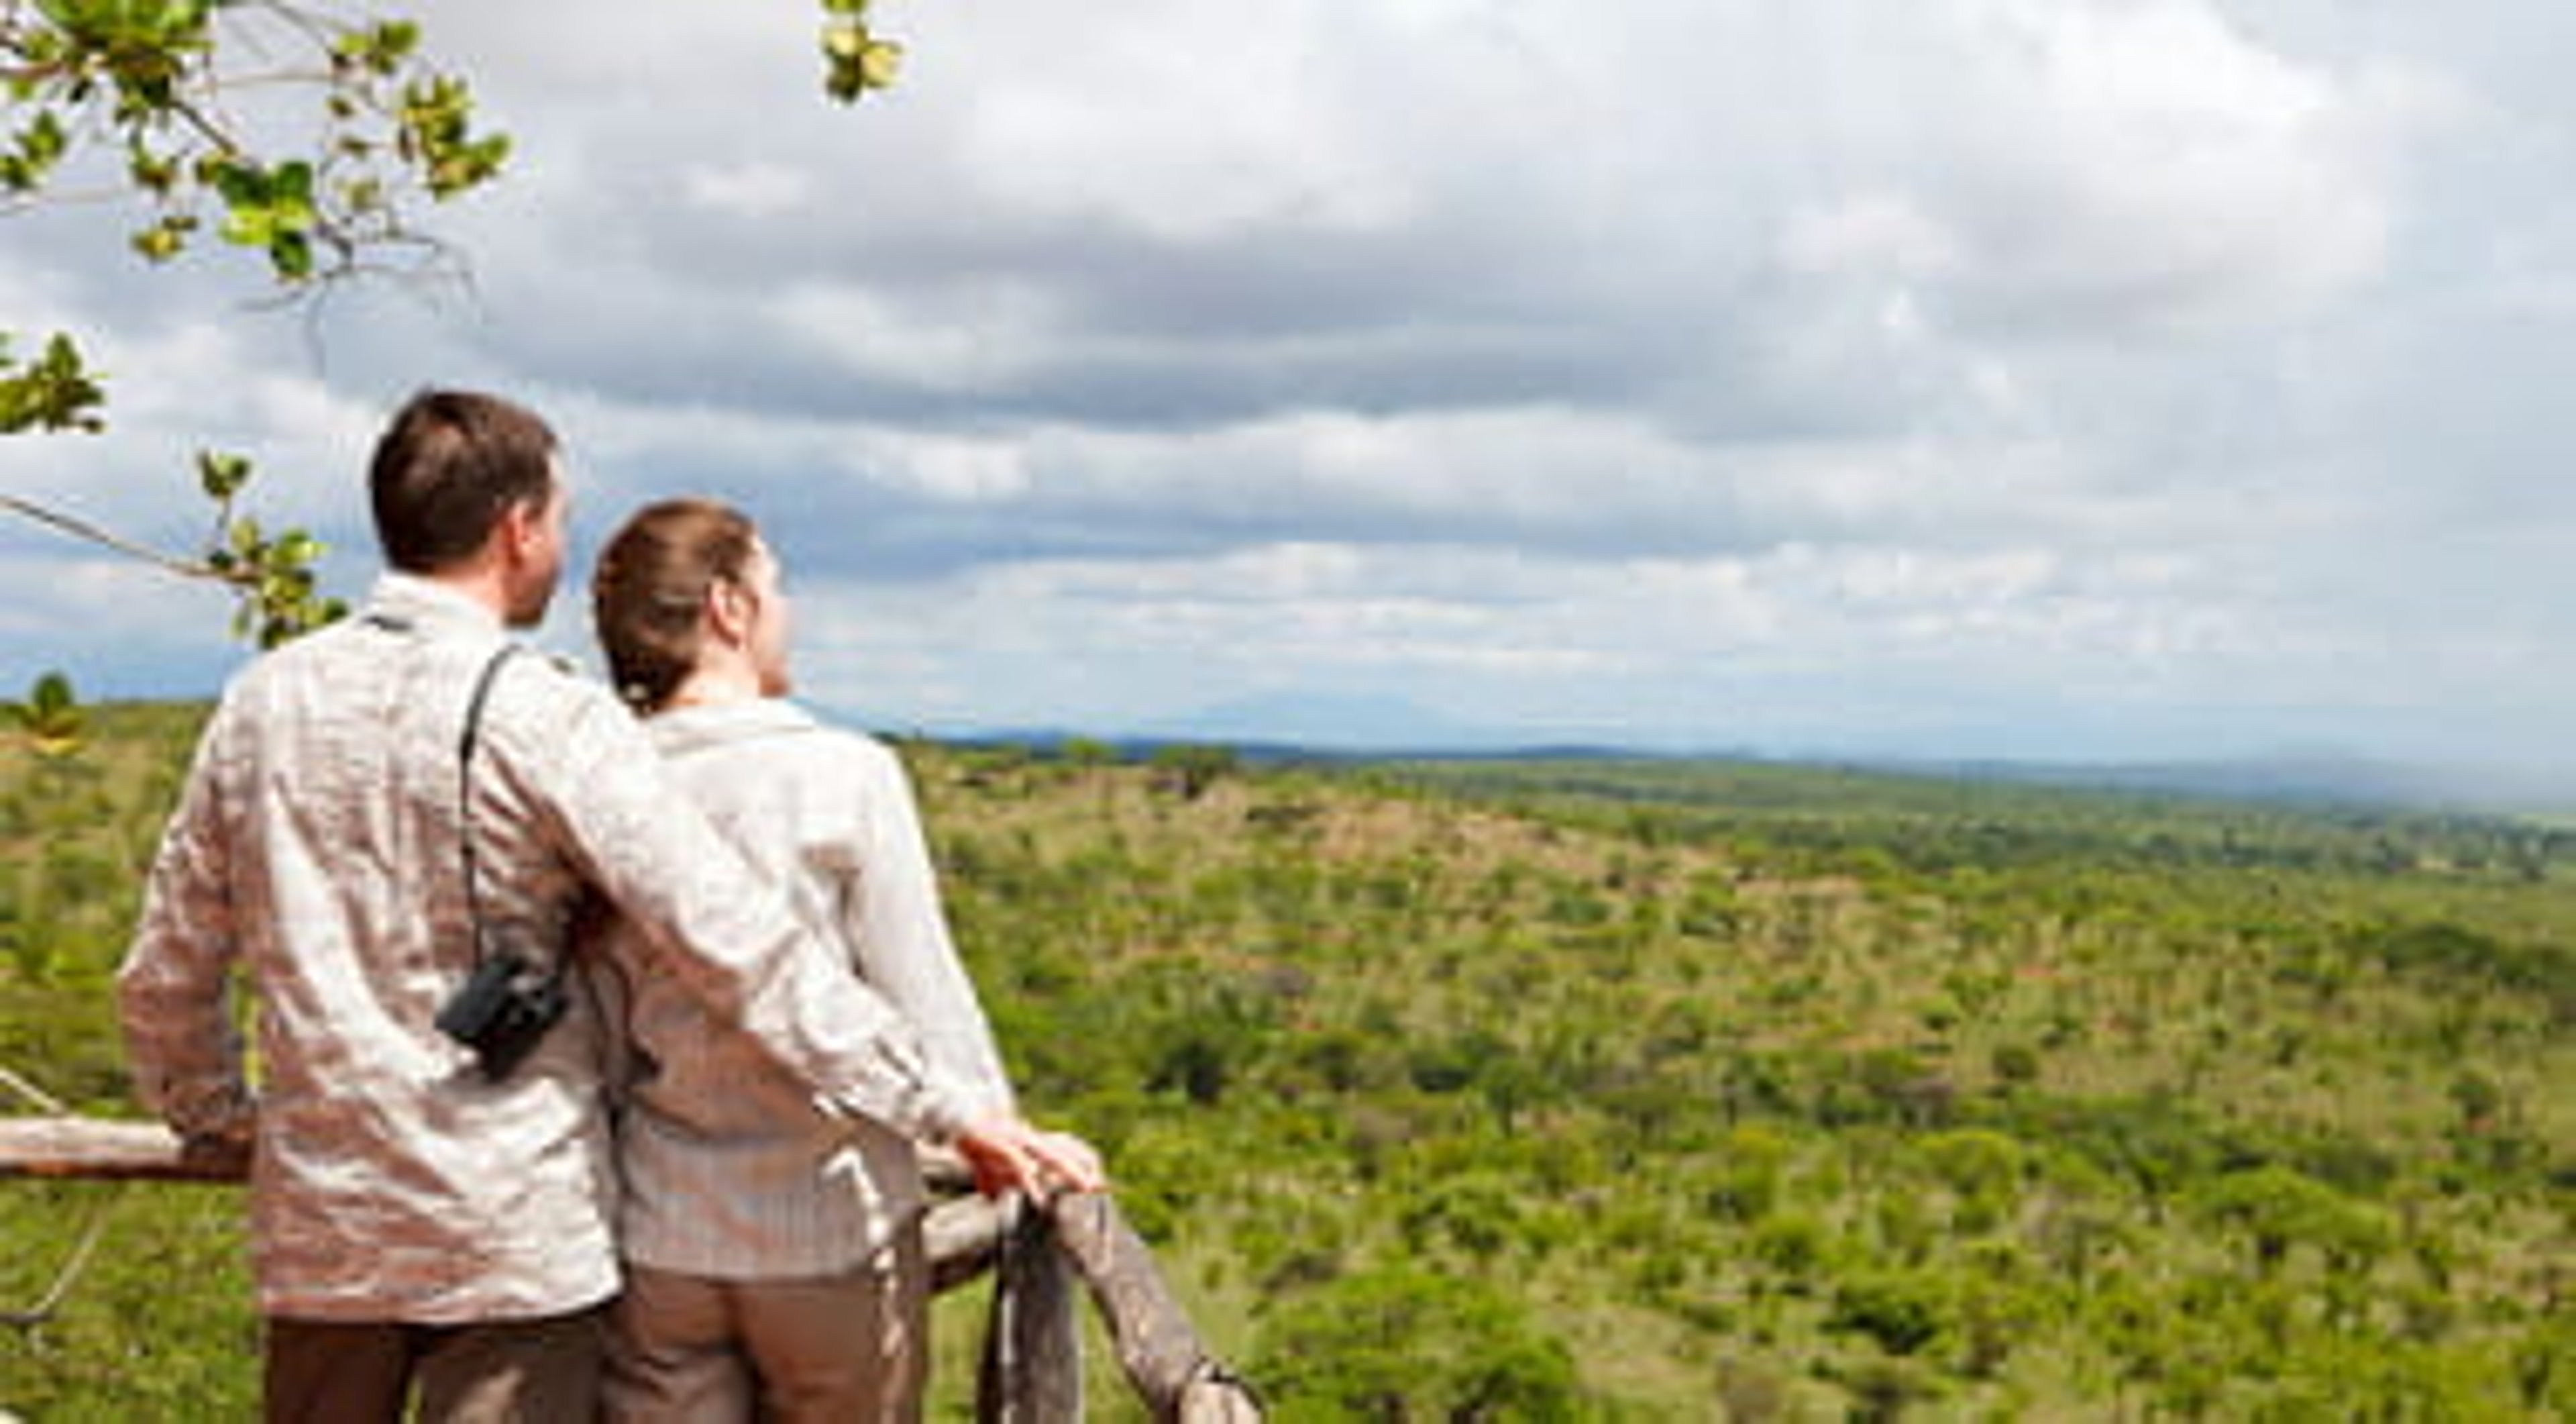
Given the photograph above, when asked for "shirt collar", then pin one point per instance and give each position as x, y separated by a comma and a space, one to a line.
412, 601
687, 728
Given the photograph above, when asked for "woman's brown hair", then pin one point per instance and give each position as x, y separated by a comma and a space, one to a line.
651, 585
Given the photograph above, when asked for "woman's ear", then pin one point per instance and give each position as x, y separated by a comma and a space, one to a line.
729, 611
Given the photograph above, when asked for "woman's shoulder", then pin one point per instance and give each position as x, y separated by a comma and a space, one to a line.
783, 734
864, 753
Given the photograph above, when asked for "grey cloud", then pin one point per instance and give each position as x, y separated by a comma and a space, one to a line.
1146, 498
2271, 295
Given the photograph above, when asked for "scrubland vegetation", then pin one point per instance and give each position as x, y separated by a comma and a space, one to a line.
1635, 1091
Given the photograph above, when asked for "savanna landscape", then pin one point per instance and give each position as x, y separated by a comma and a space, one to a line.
1603, 1089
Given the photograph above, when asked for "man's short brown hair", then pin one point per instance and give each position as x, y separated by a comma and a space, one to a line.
446, 469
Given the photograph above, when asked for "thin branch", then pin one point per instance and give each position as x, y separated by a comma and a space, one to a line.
44, 1308
31, 1092
207, 128
15, 204
83, 529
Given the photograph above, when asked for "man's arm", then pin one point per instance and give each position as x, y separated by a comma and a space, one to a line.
894, 923
727, 936
174, 990
901, 935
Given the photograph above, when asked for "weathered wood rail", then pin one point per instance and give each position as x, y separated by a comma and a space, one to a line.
1158, 1350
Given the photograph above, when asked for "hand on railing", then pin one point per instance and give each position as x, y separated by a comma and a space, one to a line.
1007, 1154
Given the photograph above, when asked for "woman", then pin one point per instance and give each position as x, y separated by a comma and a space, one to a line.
774, 1255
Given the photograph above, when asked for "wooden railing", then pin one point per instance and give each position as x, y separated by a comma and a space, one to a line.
1158, 1349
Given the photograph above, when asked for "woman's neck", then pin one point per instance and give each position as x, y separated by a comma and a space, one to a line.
714, 685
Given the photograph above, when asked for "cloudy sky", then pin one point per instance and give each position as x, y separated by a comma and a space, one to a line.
2027, 378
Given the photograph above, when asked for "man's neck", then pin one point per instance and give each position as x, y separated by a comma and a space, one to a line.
480, 585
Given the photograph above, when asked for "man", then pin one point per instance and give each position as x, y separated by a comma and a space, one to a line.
374, 813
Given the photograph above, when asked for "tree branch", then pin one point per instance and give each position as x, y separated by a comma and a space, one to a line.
83, 529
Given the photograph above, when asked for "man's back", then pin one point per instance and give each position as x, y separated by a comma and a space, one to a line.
321, 845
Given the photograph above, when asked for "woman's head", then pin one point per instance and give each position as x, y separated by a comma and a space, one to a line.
685, 587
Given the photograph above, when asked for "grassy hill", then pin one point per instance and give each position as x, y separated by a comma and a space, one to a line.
1654, 1090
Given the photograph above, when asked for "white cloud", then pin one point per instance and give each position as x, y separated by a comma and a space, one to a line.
1188, 122
999, 338
2109, 168
1851, 369
754, 191
1869, 234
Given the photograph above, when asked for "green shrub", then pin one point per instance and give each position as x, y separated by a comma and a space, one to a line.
1399, 1342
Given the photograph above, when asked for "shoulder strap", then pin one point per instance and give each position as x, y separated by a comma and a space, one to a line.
465, 743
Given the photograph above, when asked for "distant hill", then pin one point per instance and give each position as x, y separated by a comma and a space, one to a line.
2303, 779
2308, 778
1298, 726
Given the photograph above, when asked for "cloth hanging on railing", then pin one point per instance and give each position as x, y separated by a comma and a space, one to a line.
1032, 1367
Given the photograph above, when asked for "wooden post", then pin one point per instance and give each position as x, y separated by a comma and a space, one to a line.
962, 1238
1171, 1370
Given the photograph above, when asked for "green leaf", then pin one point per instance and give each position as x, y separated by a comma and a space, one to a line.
291, 185
50, 717
239, 184
290, 255
164, 239
846, 41
221, 475
856, 61
34, 152
250, 227
295, 549
55, 393
381, 49
879, 63
156, 174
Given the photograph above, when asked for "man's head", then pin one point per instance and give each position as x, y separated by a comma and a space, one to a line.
466, 483
686, 585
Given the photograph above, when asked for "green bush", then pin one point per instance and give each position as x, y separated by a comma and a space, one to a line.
1399, 1342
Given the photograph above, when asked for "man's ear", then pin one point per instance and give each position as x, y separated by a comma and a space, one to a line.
522, 523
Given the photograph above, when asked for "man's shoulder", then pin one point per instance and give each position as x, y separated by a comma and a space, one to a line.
556, 672
530, 705
287, 664
540, 684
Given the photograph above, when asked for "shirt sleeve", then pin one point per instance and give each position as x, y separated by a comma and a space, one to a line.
174, 990
728, 937
893, 918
